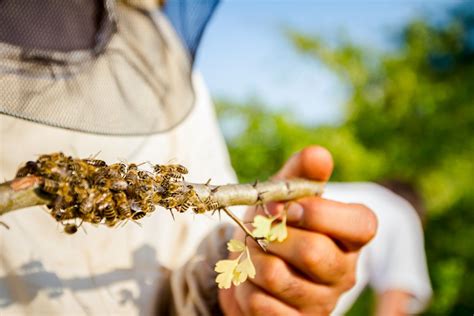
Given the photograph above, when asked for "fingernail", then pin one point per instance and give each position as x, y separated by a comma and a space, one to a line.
295, 212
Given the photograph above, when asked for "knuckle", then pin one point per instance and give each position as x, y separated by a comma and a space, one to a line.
329, 307
327, 302
321, 309
311, 252
258, 305
272, 273
292, 289
276, 279
254, 302
368, 222
318, 254
349, 282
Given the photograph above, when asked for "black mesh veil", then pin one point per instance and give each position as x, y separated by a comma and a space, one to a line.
101, 67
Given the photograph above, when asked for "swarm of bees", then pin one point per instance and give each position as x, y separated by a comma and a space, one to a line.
89, 190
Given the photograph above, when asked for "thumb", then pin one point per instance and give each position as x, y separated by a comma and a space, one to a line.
313, 162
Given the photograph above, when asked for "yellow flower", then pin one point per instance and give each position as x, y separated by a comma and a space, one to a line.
235, 245
227, 273
235, 271
246, 267
238, 270
264, 229
262, 225
279, 231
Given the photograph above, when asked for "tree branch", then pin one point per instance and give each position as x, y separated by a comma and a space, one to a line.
25, 192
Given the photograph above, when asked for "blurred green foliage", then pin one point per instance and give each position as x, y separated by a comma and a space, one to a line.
410, 117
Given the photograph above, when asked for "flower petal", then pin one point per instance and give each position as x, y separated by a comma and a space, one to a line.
238, 278
226, 270
225, 265
224, 280
279, 231
235, 245
246, 266
262, 226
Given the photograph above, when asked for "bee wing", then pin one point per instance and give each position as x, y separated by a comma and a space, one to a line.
172, 160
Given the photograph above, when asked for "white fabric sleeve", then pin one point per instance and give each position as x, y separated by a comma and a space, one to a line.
397, 259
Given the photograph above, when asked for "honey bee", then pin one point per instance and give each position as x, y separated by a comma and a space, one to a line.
141, 190
31, 167
117, 169
187, 203
66, 192
54, 157
135, 206
78, 167
169, 202
70, 229
107, 207
87, 204
92, 217
176, 168
118, 185
100, 177
200, 206
50, 186
171, 177
158, 178
110, 215
156, 198
66, 214
132, 166
211, 204
47, 169
189, 200
132, 174
144, 175
56, 206
147, 207
123, 207
120, 166
173, 187
170, 173
67, 176
95, 162
81, 189
138, 215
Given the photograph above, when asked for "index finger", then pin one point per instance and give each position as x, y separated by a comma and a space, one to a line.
313, 162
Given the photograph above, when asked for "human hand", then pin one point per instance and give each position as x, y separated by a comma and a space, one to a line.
305, 274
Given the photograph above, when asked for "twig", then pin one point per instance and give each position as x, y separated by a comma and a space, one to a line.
24, 192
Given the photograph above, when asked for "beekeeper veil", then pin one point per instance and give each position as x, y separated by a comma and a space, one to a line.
100, 67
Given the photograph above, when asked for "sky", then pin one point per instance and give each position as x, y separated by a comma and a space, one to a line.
244, 53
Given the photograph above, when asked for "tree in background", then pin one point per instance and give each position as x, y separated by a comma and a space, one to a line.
410, 118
